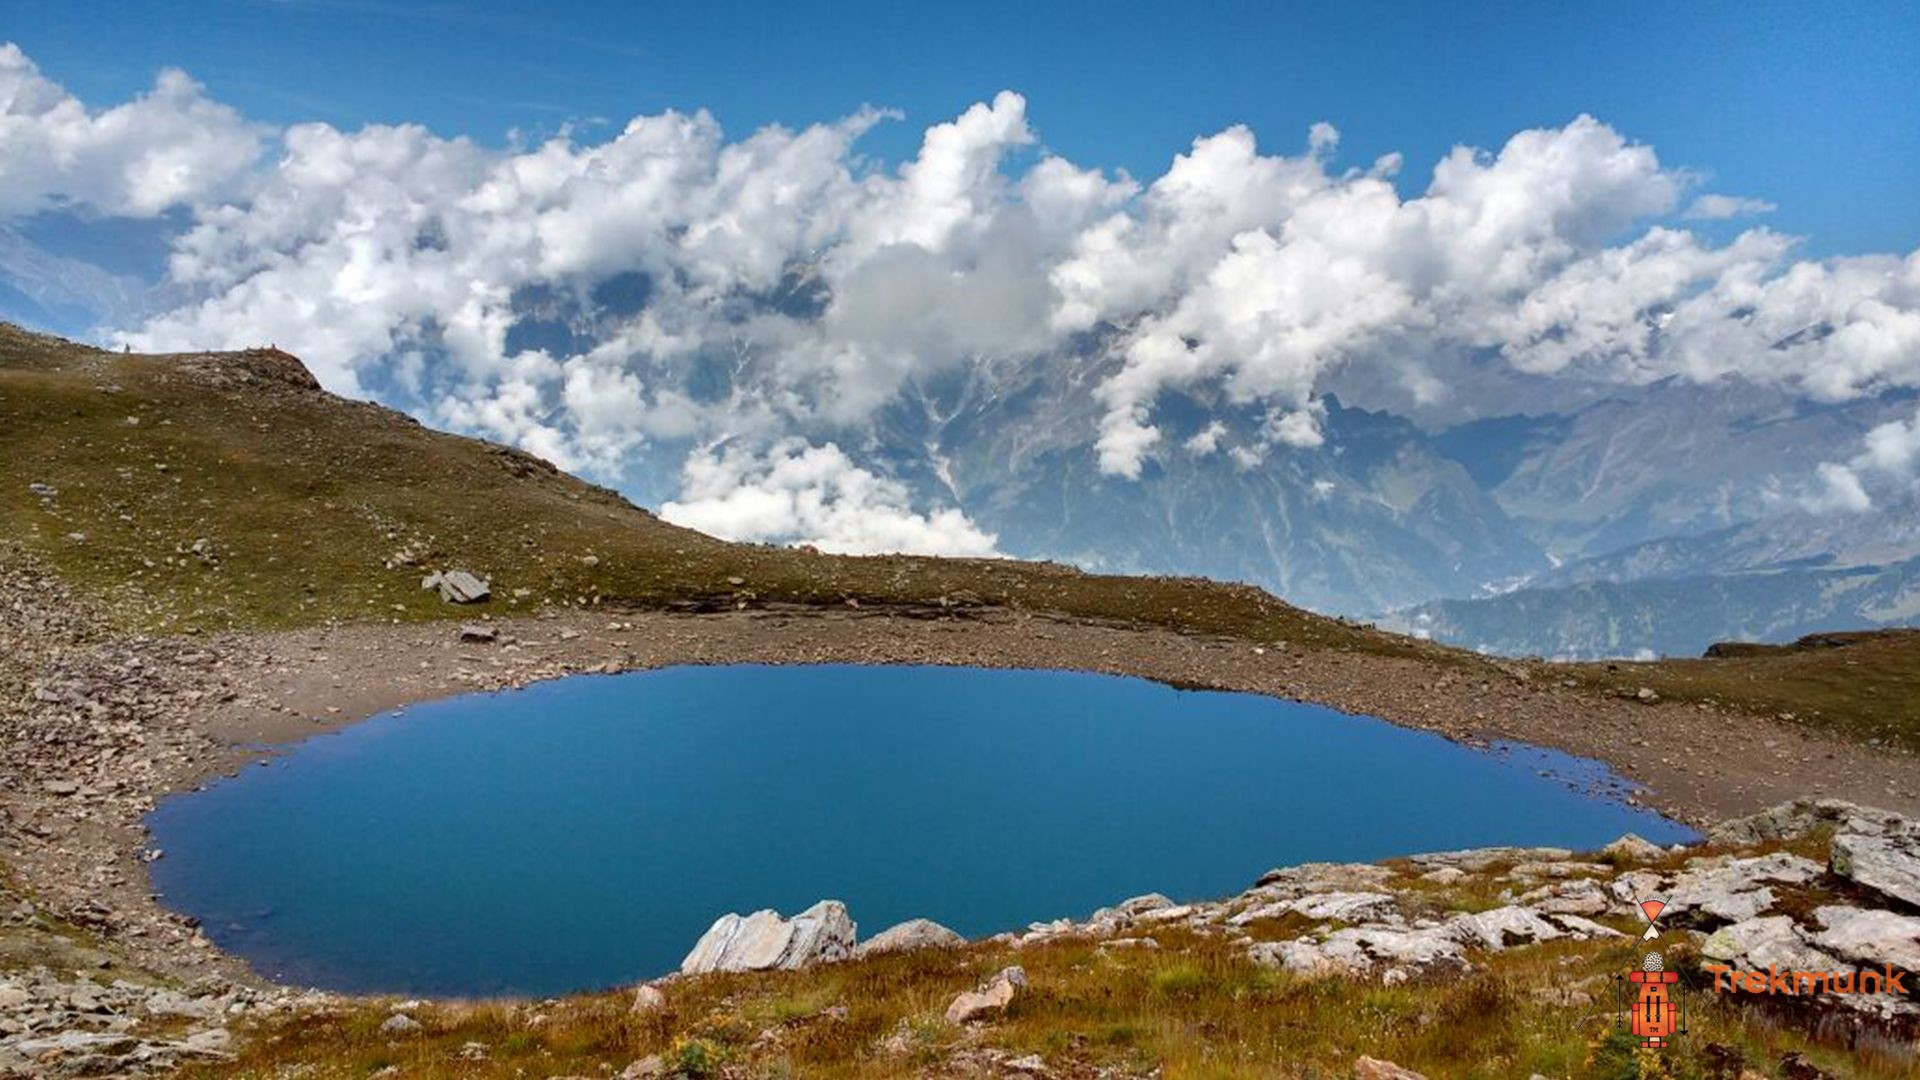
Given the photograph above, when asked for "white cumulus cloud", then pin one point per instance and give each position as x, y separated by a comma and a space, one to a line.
171, 146
1722, 207
795, 493
673, 283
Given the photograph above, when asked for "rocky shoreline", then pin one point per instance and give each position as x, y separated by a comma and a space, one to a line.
96, 728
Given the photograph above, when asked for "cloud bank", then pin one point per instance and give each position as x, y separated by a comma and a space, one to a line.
671, 286
815, 495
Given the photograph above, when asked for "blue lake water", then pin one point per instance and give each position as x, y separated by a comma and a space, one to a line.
584, 832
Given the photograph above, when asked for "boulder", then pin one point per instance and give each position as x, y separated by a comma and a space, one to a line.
479, 634
1140, 905
1476, 860
1632, 849
1719, 890
1364, 948
764, 941
1501, 928
457, 586
909, 936
399, 1024
1581, 896
1368, 1068
1758, 944
1349, 907
1793, 820
1869, 937
647, 998
1888, 864
1325, 877
991, 999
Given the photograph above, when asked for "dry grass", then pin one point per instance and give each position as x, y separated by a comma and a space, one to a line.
1194, 1009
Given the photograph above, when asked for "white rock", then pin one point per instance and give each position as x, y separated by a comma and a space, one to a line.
1502, 928
458, 587
1765, 942
648, 998
1140, 905
763, 940
211, 1041
1888, 864
1792, 820
1345, 906
1632, 848
1869, 937
1581, 896
990, 999
908, 936
1731, 890
399, 1024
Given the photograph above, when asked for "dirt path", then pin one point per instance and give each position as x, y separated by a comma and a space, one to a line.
76, 837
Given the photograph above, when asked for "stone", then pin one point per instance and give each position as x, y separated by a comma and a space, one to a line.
1475, 860
648, 998
1502, 928
1030, 1065
1646, 695
479, 634
60, 787
458, 586
1633, 849
1719, 890
1758, 944
1793, 820
210, 1041
1140, 905
1367, 1068
909, 936
1581, 896
1888, 864
1869, 937
399, 1024
12, 997
764, 941
1325, 877
992, 998
77, 1042
1446, 875
645, 1068
1363, 948
1349, 907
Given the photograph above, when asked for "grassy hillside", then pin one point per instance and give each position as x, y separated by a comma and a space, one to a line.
207, 492
228, 491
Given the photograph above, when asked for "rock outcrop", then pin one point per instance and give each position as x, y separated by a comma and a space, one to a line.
991, 999
458, 586
764, 941
908, 936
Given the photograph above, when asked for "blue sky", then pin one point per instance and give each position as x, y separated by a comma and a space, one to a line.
1813, 107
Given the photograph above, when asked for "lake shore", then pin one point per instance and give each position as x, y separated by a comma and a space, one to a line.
214, 705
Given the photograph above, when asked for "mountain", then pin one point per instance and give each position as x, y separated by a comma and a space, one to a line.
1675, 458
1673, 616
1375, 517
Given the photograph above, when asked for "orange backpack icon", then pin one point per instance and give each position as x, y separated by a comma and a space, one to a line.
1655, 1012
